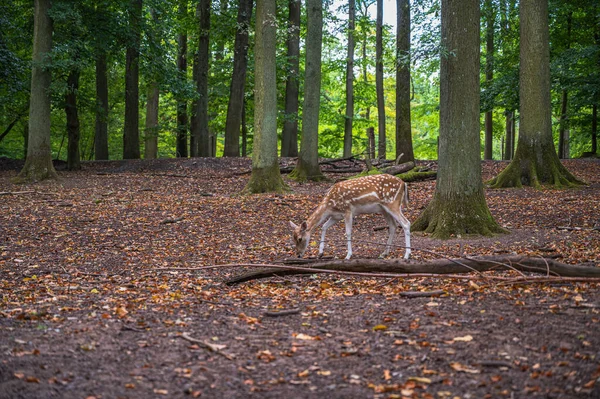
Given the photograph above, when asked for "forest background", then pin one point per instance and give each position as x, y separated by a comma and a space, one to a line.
91, 41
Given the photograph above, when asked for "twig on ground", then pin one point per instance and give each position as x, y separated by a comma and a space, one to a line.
282, 312
205, 345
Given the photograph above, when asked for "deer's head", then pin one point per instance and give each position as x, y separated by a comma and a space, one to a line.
300, 237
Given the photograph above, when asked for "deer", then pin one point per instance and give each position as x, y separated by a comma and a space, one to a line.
384, 194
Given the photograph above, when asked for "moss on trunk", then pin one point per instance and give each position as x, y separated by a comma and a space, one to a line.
266, 180
535, 167
457, 215
305, 171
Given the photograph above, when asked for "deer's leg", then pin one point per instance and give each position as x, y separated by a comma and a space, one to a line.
348, 222
392, 232
330, 222
405, 223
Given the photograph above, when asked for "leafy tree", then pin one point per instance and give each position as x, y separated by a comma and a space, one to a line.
182, 116
308, 160
381, 148
200, 144
38, 164
265, 175
458, 205
535, 160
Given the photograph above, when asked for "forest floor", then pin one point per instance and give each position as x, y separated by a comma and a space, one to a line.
93, 306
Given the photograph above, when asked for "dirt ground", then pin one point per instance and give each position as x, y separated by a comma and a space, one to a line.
93, 306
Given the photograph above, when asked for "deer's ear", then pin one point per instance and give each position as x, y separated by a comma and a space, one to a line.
303, 226
293, 225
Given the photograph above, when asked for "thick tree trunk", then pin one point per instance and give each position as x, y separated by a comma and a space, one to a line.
350, 80
182, 117
73, 156
308, 160
440, 266
238, 80
131, 134
38, 164
404, 144
458, 206
381, 147
151, 131
535, 161
265, 166
289, 136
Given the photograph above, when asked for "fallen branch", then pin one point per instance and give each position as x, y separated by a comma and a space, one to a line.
172, 220
16, 192
397, 169
421, 294
282, 312
393, 267
211, 347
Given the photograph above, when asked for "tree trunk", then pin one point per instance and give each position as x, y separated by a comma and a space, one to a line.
265, 166
73, 156
131, 134
404, 144
508, 144
490, 16
381, 148
182, 117
594, 129
101, 132
152, 128
350, 80
244, 131
458, 206
308, 160
535, 161
563, 130
289, 136
238, 80
201, 111
38, 164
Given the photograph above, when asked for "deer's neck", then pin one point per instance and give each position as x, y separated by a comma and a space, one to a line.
317, 217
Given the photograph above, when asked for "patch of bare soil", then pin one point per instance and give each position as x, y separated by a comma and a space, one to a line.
102, 295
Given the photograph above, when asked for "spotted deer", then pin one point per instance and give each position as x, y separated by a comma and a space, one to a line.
383, 194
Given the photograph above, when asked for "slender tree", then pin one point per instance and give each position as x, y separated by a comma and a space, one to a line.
535, 161
458, 206
131, 134
73, 155
289, 136
182, 116
308, 159
152, 127
265, 175
489, 16
563, 131
238, 80
350, 79
381, 147
404, 144
200, 143
101, 126
38, 163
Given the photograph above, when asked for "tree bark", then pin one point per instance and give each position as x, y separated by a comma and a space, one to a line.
289, 136
458, 206
73, 155
535, 161
182, 117
238, 80
350, 79
404, 144
101, 128
563, 131
265, 175
439, 266
308, 160
131, 134
381, 147
38, 164
152, 128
